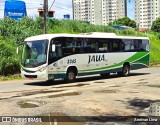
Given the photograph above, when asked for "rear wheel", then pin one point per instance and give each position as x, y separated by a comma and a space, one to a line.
71, 75
125, 71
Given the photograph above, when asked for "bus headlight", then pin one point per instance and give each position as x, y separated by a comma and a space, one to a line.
42, 69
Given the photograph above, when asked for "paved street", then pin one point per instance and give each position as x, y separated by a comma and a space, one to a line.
88, 96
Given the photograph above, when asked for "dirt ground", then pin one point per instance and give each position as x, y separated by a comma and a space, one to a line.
91, 96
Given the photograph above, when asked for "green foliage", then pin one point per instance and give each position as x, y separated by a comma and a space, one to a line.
155, 50
19, 30
75, 26
9, 63
156, 25
13, 33
124, 22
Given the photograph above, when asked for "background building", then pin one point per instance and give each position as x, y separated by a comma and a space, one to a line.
50, 13
146, 11
66, 17
99, 12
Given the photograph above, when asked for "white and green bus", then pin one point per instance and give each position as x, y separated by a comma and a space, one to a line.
66, 56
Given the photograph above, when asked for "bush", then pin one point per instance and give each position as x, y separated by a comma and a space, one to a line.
9, 63
156, 25
19, 30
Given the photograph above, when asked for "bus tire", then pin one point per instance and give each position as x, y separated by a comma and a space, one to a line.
125, 71
49, 82
70, 76
105, 75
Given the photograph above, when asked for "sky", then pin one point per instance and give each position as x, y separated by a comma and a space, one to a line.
61, 7
130, 9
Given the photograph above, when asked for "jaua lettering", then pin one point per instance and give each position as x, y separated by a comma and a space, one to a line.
96, 58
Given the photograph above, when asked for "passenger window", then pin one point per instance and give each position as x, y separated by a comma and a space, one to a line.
115, 46
128, 45
103, 46
145, 45
134, 45
90, 46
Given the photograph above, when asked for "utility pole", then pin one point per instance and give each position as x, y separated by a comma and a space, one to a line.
45, 8
73, 8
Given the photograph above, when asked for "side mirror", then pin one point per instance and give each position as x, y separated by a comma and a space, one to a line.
17, 50
53, 48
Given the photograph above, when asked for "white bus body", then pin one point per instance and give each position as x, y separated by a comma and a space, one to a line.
53, 56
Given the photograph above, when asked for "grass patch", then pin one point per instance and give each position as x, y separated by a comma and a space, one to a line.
10, 77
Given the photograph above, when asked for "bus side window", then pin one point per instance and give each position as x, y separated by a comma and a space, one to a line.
140, 45
58, 54
72, 45
136, 48
94, 45
67, 46
115, 46
122, 45
78, 46
128, 45
145, 45
87, 46
103, 46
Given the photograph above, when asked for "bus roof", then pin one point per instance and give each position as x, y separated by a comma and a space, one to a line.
84, 35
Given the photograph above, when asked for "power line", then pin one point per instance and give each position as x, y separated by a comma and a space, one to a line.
64, 5
52, 4
63, 8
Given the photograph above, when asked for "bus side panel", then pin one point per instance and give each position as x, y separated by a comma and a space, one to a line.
99, 63
142, 62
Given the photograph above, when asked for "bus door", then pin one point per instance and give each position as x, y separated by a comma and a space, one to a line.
55, 59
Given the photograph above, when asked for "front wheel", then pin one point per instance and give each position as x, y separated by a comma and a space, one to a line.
71, 76
49, 82
125, 71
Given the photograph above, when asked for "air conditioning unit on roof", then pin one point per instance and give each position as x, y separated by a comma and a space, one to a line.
99, 34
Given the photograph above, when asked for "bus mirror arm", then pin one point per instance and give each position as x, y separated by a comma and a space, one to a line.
20, 44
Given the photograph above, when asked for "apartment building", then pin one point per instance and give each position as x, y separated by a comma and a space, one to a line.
100, 12
146, 11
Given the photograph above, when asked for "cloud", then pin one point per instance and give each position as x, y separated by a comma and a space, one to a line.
62, 7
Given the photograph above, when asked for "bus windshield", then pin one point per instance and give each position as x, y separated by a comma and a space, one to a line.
34, 53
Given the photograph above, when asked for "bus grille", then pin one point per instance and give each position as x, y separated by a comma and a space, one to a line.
30, 76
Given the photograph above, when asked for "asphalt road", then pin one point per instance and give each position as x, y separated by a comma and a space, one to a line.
88, 96
22, 85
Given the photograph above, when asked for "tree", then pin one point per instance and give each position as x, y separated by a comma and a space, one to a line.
125, 22
156, 25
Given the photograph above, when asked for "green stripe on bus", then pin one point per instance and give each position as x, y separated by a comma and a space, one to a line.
26, 69
143, 60
135, 57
